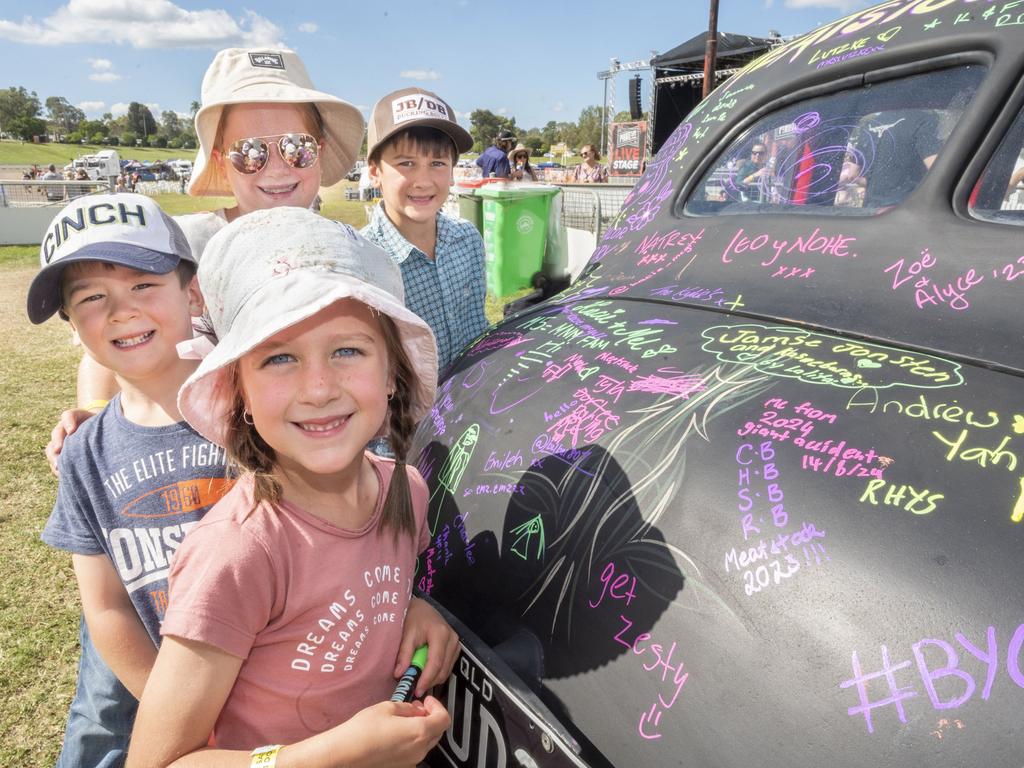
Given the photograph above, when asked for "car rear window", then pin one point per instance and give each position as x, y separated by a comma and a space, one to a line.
856, 151
999, 194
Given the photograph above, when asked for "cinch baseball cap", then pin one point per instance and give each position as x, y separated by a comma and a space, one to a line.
412, 107
125, 229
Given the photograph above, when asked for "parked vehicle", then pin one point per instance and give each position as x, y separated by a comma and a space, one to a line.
180, 167
101, 165
751, 490
353, 174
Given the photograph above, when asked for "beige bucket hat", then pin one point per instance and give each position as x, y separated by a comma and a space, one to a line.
270, 269
251, 75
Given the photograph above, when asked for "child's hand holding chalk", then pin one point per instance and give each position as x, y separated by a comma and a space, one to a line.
406, 688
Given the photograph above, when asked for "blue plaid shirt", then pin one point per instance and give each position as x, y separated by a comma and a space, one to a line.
446, 291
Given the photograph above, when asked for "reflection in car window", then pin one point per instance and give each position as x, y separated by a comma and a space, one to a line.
999, 194
857, 151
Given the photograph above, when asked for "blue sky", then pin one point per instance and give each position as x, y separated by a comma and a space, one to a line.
534, 60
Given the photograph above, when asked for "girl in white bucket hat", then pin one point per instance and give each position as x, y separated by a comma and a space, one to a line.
286, 602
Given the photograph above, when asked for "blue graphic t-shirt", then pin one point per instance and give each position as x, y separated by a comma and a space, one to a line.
132, 493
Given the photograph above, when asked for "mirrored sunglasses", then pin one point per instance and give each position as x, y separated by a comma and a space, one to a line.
251, 155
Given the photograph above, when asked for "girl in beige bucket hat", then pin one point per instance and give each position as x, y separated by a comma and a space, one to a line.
273, 594
268, 138
314, 137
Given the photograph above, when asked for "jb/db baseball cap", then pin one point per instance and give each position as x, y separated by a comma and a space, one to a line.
414, 107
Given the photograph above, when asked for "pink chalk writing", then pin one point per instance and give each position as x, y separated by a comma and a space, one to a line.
943, 673
682, 243
668, 381
815, 242
659, 662
498, 340
608, 357
837, 458
773, 558
618, 588
929, 292
495, 489
588, 421
575, 362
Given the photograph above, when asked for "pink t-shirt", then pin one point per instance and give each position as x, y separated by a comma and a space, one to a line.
315, 611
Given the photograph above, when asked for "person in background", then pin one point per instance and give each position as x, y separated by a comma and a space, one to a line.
413, 144
752, 171
493, 161
53, 191
519, 160
590, 171
281, 659
79, 189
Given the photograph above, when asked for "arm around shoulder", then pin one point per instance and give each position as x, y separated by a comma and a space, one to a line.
113, 622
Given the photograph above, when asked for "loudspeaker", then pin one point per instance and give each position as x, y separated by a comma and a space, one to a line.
636, 111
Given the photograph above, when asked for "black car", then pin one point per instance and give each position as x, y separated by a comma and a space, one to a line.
751, 490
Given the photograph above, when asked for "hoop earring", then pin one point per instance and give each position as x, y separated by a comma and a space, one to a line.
247, 418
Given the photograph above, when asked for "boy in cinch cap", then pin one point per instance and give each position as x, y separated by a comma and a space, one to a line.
413, 145
135, 478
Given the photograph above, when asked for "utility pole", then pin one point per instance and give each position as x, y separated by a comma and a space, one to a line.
711, 49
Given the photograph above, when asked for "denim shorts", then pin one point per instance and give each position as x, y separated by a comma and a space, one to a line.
101, 717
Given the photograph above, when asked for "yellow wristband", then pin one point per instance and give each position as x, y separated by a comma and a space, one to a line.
96, 405
265, 757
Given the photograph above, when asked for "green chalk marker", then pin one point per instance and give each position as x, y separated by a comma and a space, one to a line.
406, 688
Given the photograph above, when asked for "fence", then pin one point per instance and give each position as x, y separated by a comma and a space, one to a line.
35, 193
592, 207
26, 207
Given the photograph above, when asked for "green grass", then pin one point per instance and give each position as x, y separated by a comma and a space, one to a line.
38, 598
26, 153
39, 603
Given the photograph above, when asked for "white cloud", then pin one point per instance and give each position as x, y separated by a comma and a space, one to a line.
104, 77
118, 109
501, 111
308, 27
91, 106
150, 24
100, 64
559, 106
420, 74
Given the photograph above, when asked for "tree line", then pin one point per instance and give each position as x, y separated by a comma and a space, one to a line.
24, 116
484, 126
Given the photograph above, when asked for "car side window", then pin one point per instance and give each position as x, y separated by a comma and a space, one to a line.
856, 152
999, 194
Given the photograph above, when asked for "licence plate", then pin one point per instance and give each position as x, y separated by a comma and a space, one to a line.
491, 727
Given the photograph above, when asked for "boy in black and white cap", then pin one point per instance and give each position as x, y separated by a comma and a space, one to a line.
413, 144
135, 478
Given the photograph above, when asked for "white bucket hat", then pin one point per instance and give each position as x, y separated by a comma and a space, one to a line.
271, 269
250, 75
